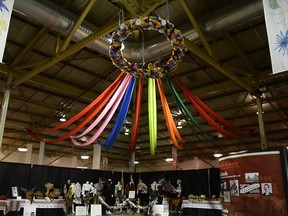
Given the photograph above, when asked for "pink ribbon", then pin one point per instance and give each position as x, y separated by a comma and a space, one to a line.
114, 103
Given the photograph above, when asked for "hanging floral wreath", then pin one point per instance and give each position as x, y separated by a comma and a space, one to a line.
158, 68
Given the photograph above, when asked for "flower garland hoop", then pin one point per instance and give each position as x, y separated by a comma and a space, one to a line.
159, 68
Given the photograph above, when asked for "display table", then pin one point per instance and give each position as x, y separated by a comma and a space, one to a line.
44, 204
15, 205
3, 206
201, 208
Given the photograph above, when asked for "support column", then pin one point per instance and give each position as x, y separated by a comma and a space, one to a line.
28, 155
131, 163
74, 162
261, 123
96, 156
105, 163
41, 153
3, 115
196, 159
174, 156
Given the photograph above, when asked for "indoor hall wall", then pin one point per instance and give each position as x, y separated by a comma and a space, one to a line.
195, 163
197, 182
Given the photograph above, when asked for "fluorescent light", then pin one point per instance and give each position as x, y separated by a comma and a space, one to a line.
126, 130
22, 149
62, 118
136, 162
169, 160
179, 126
82, 167
217, 155
84, 157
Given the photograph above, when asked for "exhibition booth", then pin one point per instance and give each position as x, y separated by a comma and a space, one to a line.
248, 182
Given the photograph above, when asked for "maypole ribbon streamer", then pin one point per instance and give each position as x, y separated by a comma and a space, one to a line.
152, 109
137, 116
190, 120
172, 129
198, 104
94, 107
112, 105
108, 144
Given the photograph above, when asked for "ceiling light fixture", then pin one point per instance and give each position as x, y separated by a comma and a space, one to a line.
62, 118
258, 112
82, 167
217, 155
84, 157
22, 149
126, 130
136, 162
179, 125
169, 160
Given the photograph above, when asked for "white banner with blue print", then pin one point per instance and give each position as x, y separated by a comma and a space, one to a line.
6, 7
276, 18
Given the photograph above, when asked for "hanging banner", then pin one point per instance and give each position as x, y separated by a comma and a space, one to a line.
5, 15
275, 12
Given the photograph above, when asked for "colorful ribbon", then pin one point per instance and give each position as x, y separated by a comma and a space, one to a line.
197, 131
137, 116
202, 109
115, 101
152, 115
172, 129
108, 144
95, 105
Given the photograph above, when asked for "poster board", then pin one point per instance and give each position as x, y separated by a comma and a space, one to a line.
252, 184
131, 194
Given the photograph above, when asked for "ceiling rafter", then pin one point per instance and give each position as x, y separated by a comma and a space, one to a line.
239, 53
76, 25
197, 52
197, 27
69, 51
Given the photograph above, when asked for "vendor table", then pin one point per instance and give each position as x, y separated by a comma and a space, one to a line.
44, 204
201, 208
10, 205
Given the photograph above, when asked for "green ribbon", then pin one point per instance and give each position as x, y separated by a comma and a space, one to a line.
187, 115
152, 115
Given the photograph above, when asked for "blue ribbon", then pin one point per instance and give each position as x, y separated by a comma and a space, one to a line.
108, 144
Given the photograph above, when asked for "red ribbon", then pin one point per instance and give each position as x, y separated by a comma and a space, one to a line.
95, 105
203, 108
137, 117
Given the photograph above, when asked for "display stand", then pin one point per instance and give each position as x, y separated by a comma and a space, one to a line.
163, 210
81, 210
201, 208
96, 210
29, 210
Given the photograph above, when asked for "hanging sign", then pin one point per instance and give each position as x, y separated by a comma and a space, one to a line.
5, 15
275, 12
